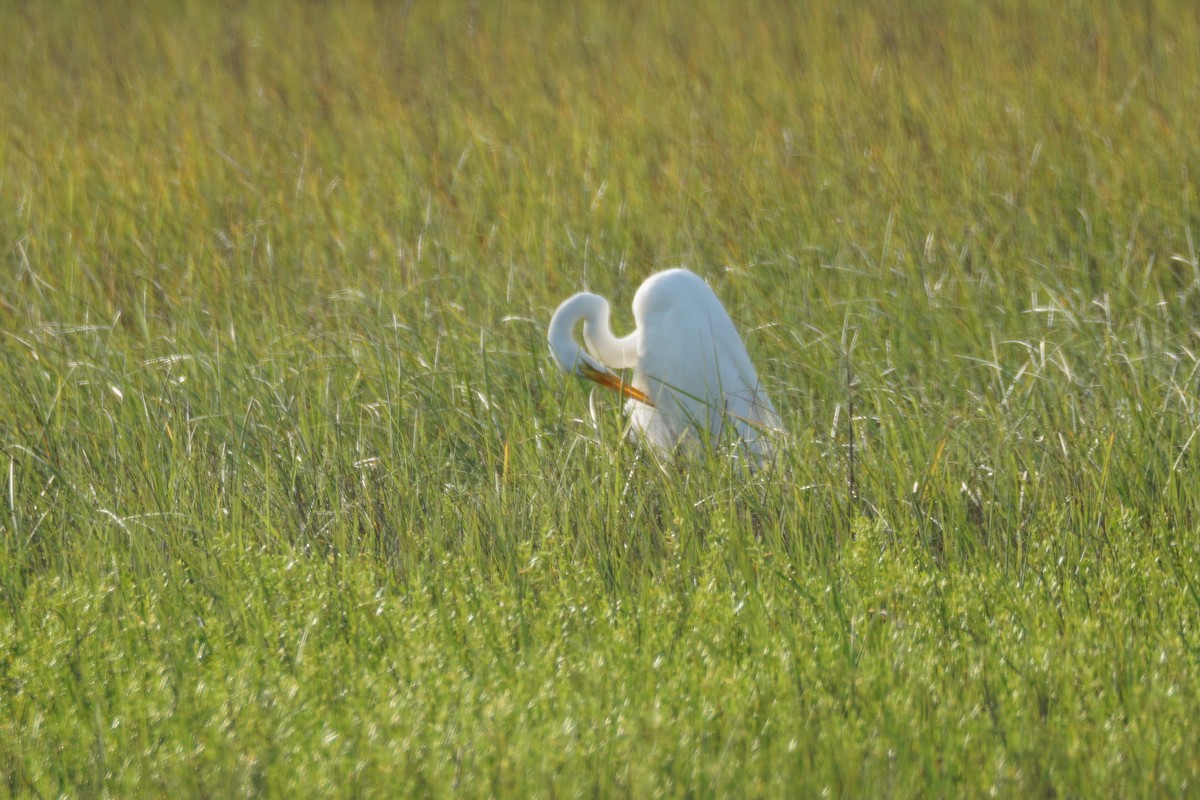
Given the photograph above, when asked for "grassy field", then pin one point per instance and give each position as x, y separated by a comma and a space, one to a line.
293, 501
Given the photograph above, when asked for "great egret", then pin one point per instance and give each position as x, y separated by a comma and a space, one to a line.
692, 379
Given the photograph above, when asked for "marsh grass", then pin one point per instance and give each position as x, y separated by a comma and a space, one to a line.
295, 503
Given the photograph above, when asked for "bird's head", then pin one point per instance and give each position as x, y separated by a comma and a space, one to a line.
586, 366
574, 360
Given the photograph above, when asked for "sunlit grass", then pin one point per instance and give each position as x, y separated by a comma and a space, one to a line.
293, 500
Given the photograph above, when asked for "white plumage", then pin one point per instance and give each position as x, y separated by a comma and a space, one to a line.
692, 379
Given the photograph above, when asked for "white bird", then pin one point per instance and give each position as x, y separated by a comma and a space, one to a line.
692, 379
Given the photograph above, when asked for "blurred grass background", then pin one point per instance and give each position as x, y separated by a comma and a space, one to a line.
294, 501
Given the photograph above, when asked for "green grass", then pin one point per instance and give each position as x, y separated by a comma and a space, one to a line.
293, 501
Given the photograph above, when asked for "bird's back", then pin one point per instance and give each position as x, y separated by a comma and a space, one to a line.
693, 363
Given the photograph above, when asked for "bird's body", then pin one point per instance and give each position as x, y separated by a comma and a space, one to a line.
692, 379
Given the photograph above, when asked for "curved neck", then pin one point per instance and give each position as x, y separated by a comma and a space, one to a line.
594, 311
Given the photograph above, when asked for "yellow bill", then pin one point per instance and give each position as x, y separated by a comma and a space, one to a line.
615, 383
